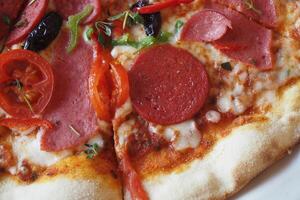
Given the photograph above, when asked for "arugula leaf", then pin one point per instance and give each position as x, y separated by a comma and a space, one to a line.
73, 23
143, 43
147, 42
178, 26
164, 37
124, 40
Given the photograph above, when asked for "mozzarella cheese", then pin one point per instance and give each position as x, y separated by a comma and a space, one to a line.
27, 147
182, 136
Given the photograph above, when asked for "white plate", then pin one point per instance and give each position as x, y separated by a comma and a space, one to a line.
280, 182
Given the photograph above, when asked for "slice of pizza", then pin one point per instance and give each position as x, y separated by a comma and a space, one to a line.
52, 145
174, 99
213, 95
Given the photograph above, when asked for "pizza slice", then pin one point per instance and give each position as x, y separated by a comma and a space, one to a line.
52, 145
214, 107
174, 99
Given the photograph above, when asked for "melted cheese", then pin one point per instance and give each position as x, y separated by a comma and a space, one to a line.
182, 136
27, 147
126, 129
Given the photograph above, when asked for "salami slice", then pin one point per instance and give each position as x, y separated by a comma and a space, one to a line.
70, 109
263, 12
247, 41
206, 25
167, 85
31, 16
67, 8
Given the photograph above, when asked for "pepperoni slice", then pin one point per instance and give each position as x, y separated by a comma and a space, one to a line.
206, 25
263, 12
67, 8
31, 16
168, 85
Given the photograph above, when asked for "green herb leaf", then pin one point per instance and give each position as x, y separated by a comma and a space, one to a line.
89, 33
116, 17
136, 18
6, 20
23, 94
101, 39
227, 66
104, 27
130, 18
92, 150
124, 40
143, 43
147, 42
178, 26
73, 23
164, 37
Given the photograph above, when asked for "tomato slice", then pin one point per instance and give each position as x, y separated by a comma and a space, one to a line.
99, 88
160, 6
120, 91
26, 83
108, 83
25, 123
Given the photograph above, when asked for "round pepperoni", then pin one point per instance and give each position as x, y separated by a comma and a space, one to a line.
168, 85
31, 16
206, 25
67, 8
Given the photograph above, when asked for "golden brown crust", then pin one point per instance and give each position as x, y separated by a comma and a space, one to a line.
238, 158
73, 178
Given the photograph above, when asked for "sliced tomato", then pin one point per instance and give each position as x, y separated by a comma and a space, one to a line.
108, 83
160, 6
26, 83
99, 87
25, 123
120, 83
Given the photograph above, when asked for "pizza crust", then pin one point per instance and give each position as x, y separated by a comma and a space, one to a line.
75, 178
236, 159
